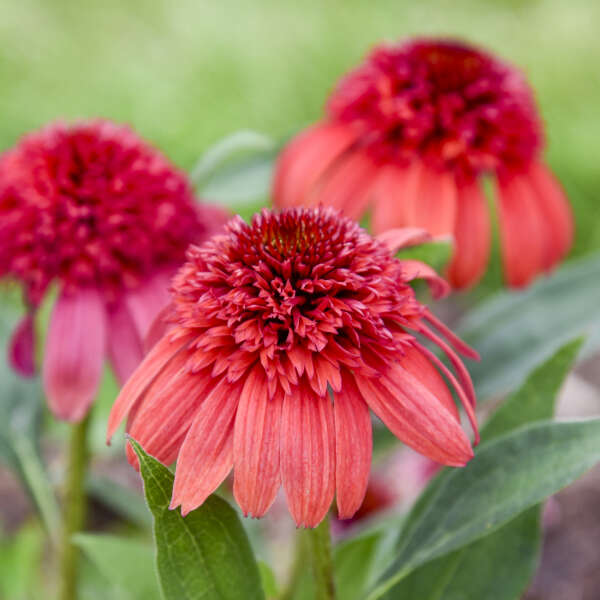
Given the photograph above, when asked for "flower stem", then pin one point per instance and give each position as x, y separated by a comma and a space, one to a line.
319, 549
74, 511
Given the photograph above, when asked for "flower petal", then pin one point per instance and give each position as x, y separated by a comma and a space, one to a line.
307, 455
305, 159
433, 207
401, 237
555, 210
142, 377
256, 446
206, 456
416, 417
522, 230
394, 191
74, 353
124, 343
353, 447
167, 410
415, 269
414, 362
471, 236
146, 301
21, 347
347, 185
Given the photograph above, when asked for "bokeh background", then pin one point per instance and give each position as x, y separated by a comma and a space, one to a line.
186, 74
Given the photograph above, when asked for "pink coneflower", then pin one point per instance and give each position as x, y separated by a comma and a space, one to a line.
285, 333
411, 132
96, 210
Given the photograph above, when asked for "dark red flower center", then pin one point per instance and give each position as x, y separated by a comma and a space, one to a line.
454, 105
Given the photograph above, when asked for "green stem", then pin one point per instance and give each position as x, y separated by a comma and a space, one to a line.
319, 549
74, 511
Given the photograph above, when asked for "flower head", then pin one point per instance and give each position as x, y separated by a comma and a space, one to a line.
285, 332
410, 132
96, 210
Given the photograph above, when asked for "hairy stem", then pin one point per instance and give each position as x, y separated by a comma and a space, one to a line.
74, 511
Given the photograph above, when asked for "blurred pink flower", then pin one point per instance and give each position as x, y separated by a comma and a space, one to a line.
410, 133
105, 216
286, 331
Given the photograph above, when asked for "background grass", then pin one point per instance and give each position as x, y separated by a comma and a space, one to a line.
186, 73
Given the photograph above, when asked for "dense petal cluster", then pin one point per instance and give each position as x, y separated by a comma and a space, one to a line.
98, 211
456, 106
410, 132
283, 334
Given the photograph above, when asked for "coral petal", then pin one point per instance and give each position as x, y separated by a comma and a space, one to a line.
308, 456
401, 237
417, 417
206, 456
394, 190
256, 446
353, 447
142, 377
522, 229
471, 236
305, 159
415, 269
21, 347
163, 418
74, 353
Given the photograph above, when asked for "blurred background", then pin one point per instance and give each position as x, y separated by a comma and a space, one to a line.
186, 74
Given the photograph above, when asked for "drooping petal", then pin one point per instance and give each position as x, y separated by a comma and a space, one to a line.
142, 377
307, 455
21, 347
393, 192
124, 343
256, 446
167, 410
415, 269
471, 236
414, 362
353, 447
159, 328
555, 210
74, 353
206, 456
347, 185
146, 301
416, 417
401, 237
305, 159
522, 230
433, 207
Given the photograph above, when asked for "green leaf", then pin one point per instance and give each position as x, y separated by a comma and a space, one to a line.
236, 171
353, 563
510, 474
269, 582
515, 545
436, 253
21, 409
495, 567
127, 564
535, 400
205, 555
514, 331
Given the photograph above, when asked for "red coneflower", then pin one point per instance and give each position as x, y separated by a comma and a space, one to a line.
411, 131
95, 209
285, 332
